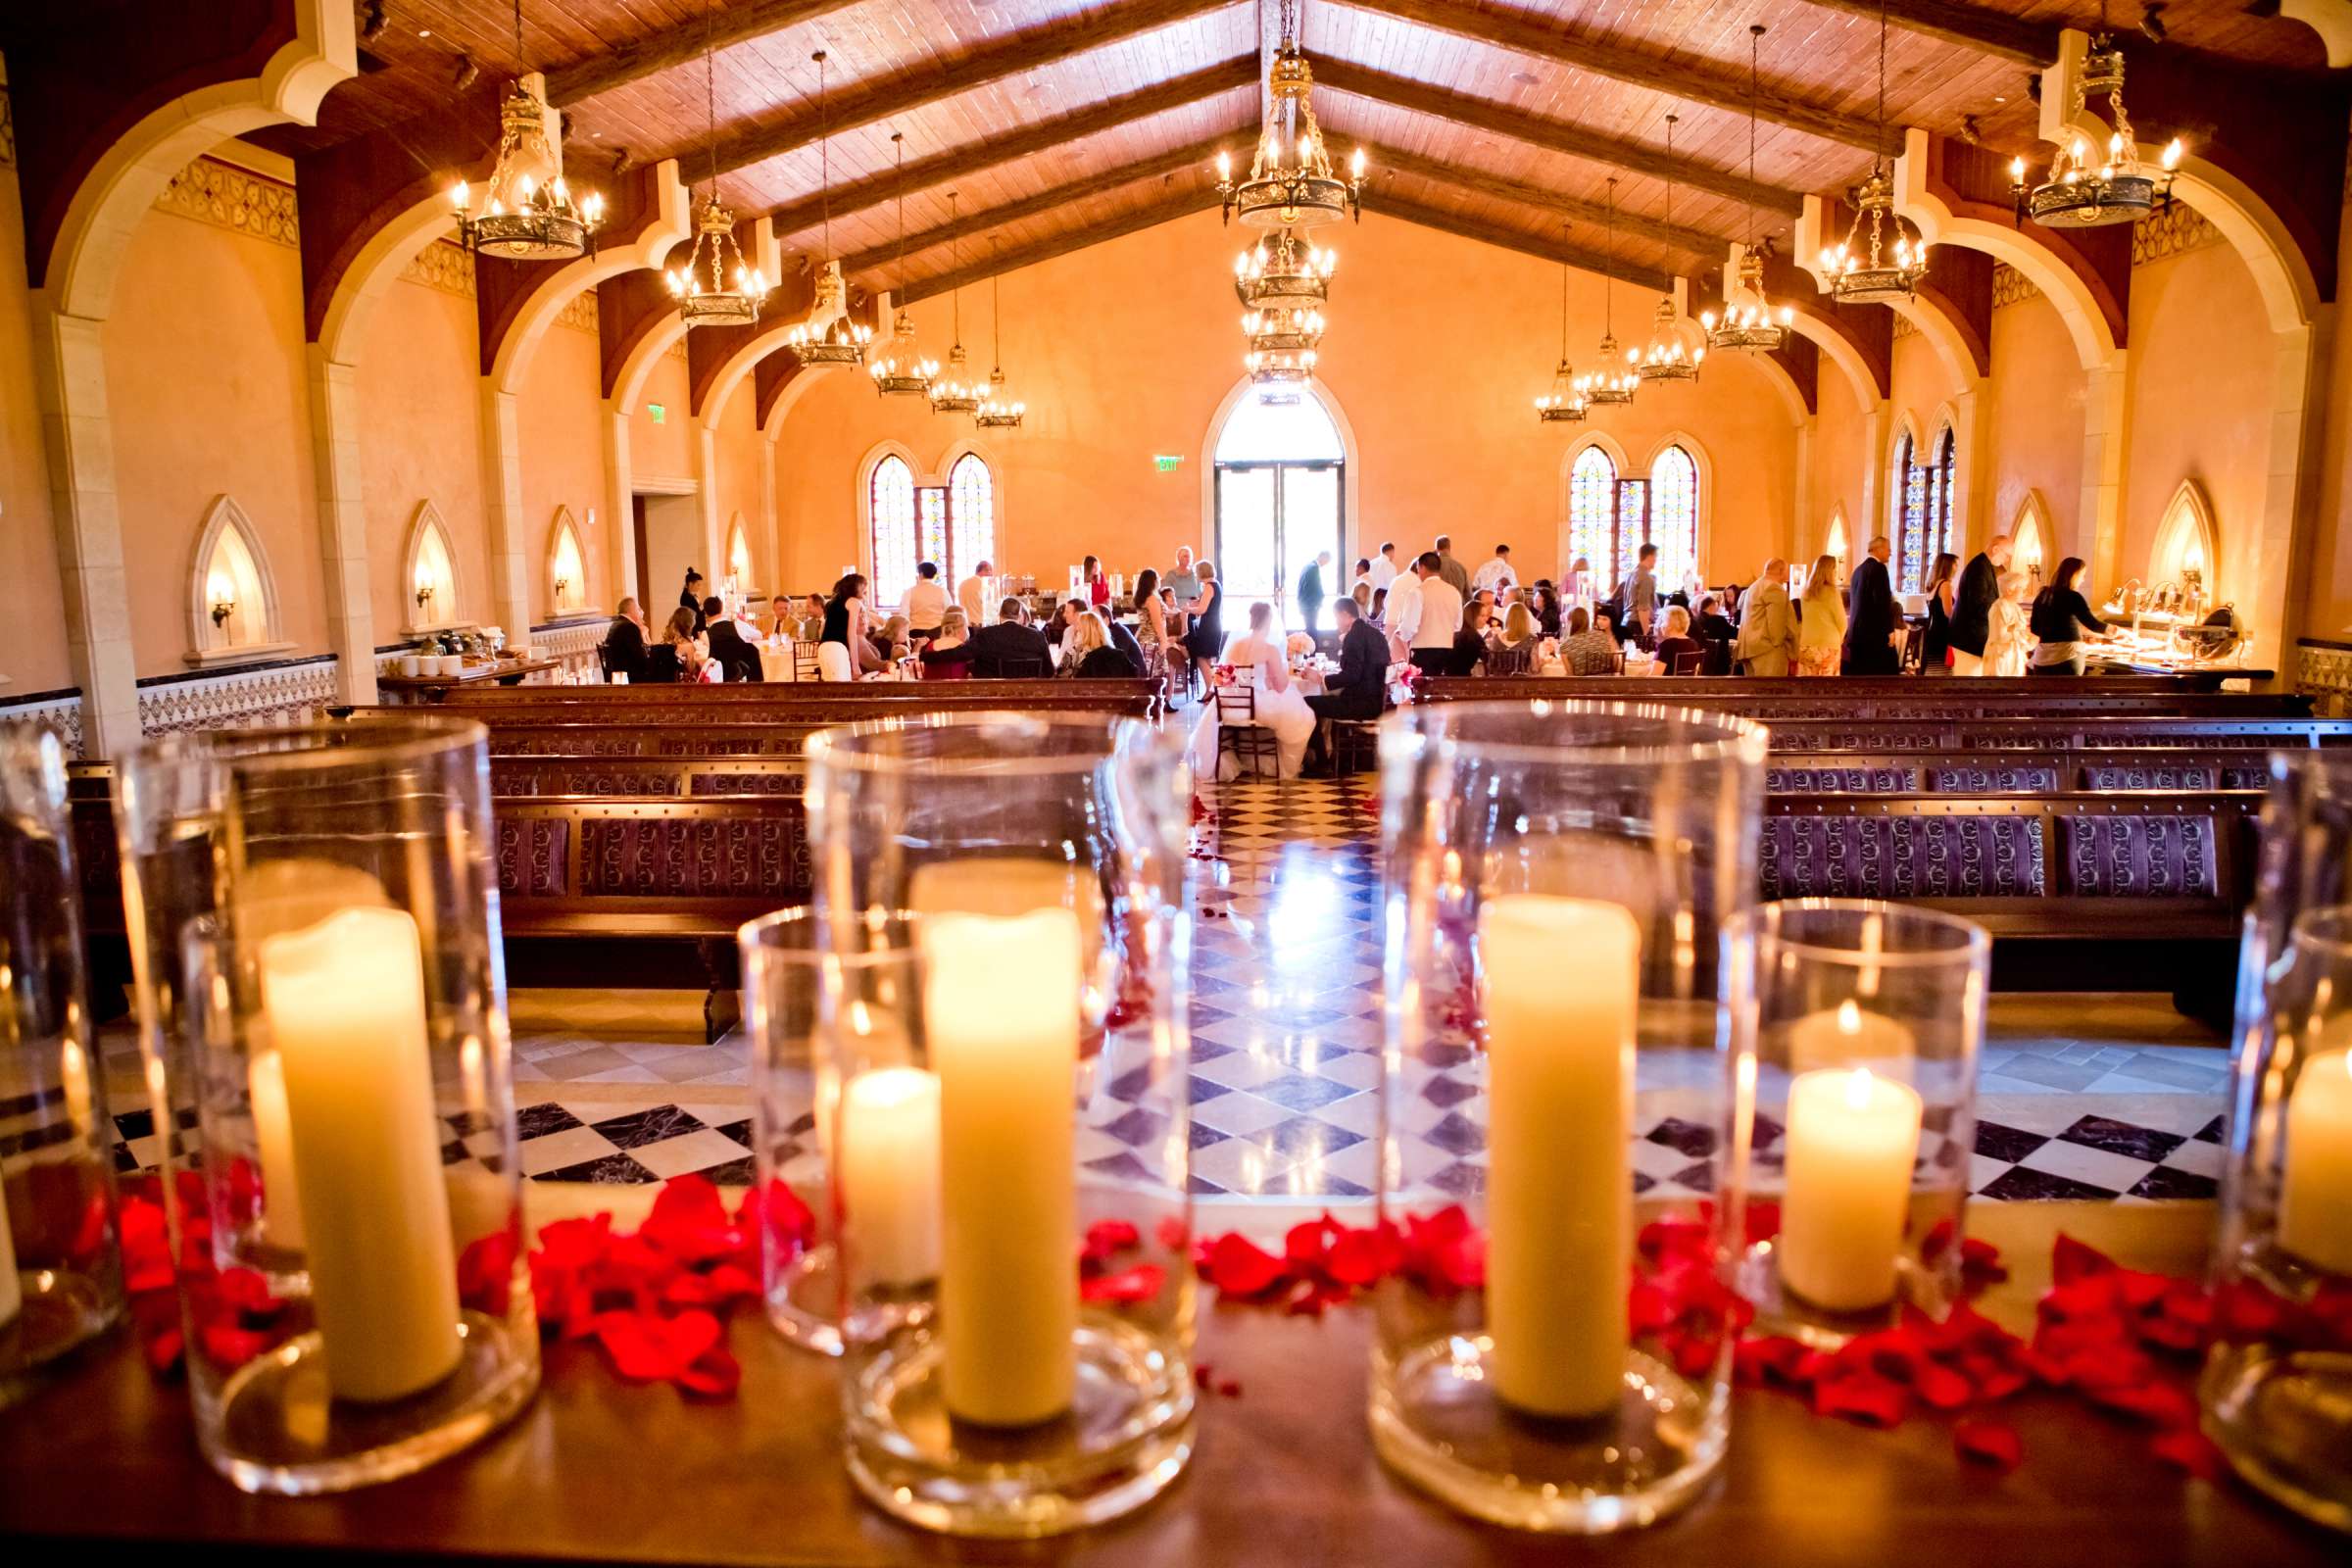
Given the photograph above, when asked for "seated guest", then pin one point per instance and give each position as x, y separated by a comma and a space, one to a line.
1379, 608
1009, 648
948, 655
812, 619
1470, 642
1124, 640
2061, 619
894, 640
926, 601
1677, 645
1359, 688
1514, 649
678, 656
1059, 627
781, 619
623, 650
1714, 628
1590, 648
1093, 655
736, 656
1544, 602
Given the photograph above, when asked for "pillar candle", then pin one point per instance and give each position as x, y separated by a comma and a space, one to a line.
345, 1004
890, 1188
1001, 999
1853, 1138
273, 1143
2315, 1196
1563, 981
1846, 1036
12, 1290
73, 1067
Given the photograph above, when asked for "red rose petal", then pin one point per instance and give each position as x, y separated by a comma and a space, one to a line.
1170, 1233
1106, 1239
2072, 1260
1862, 1397
1237, 1266
1139, 1284
1363, 1258
2188, 1448
1992, 1444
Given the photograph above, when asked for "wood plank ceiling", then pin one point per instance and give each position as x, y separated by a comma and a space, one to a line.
1054, 120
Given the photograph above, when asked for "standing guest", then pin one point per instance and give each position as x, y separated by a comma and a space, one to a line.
926, 601
1182, 581
1362, 578
1404, 605
1097, 580
1677, 647
1821, 622
977, 594
948, 655
1587, 650
1512, 650
1935, 643
1431, 616
1497, 572
1093, 655
1207, 612
622, 652
1151, 620
1636, 597
847, 628
1008, 647
1767, 624
1456, 575
1360, 596
1359, 688
1310, 590
1871, 621
1379, 607
2008, 640
1576, 587
1383, 566
2061, 619
736, 654
1979, 590
690, 598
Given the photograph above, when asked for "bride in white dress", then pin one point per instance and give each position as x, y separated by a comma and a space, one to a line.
1258, 659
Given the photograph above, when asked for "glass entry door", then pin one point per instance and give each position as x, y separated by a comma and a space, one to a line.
1272, 519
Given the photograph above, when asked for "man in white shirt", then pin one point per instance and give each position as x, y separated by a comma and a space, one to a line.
1497, 573
926, 601
977, 594
1384, 567
1433, 616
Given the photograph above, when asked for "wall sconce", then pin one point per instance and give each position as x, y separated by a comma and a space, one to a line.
562, 583
425, 592
225, 600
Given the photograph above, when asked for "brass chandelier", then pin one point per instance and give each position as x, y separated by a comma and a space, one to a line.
1282, 270
953, 390
826, 335
901, 371
1611, 382
1666, 359
1292, 182
1862, 272
2115, 188
1748, 320
1564, 404
716, 287
530, 214
1283, 343
997, 411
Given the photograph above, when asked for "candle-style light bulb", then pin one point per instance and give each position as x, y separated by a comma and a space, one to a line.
458, 195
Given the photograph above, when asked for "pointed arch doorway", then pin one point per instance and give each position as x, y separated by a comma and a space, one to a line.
1278, 499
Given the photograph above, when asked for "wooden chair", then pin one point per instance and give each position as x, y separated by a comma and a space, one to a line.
1238, 732
805, 665
1689, 664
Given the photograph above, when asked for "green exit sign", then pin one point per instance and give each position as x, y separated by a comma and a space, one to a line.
660, 415
1165, 462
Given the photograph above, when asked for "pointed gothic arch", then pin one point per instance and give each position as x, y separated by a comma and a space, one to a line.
567, 586
432, 592
2185, 540
232, 594
2034, 545
741, 565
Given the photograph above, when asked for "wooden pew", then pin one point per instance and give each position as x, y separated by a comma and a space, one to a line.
2057, 734
1876, 697
2046, 772
1021, 694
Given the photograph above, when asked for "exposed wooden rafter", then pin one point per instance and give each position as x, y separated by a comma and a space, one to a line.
1517, 239
1557, 135
957, 162
675, 46
1541, 38
2006, 38
1182, 205
1679, 236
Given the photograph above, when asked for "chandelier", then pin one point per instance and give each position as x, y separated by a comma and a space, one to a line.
1666, 359
1281, 343
955, 391
1564, 404
1292, 183
1611, 381
903, 371
1283, 271
2117, 189
1861, 271
826, 335
714, 288
998, 411
1748, 320
530, 215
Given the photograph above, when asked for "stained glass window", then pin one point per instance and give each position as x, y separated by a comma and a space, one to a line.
1911, 554
1633, 498
1674, 516
971, 517
890, 522
1592, 505
1940, 497
931, 531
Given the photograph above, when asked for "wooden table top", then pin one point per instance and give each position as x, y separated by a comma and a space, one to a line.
597, 1471
503, 669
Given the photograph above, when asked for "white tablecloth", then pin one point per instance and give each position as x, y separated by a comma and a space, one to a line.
776, 662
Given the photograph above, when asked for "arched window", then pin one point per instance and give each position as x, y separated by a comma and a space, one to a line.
567, 566
971, 517
890, 524
2184, 551
1591, 512
1923, 517
232, 601
739, 555
1674, 516
429, 587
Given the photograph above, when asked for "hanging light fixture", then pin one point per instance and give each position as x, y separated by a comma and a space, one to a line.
997, 411
1282, 342
1748, 320
1667, 359
1564, 404
530, 214
899, 369
953, 390
1863, 271
1611, 382
1292, 182
827, 336
2087, 191
716, 288
1284, 271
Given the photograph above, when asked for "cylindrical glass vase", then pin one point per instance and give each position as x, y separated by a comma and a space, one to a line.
1010, 1126
327, 905
61, 1271
2276, 1391
1859, 1041
1559, 877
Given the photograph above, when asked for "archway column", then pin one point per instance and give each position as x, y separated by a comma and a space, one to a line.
620, 500
78, 433
342, 524
705, 500
2277, 570
2106, 426
1972, 472
771, 526
1878, 435
1800, 522
501, 514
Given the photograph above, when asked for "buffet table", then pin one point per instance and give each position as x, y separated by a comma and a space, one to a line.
602, 1472
433, 688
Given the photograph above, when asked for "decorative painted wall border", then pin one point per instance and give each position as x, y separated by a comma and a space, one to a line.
1903, 328
8, 131
2177, 229
443, 264
2010, 287
235, 198
294, 692
2323, 673
574, 642
57, 710
580, 314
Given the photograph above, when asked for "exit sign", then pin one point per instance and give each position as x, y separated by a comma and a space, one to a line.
1165, 462
659, 413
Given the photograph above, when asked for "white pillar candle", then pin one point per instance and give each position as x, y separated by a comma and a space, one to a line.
345, 1004
1000, 998
890, 1185
12, 1290
2315, 1198
1853, 1138
1562, 982
273, 1144
1846, 1036
73, 1066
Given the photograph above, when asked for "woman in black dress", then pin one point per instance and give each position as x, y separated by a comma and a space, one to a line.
1936, 647
845, 623
1207, 639
2060, 621
690, 599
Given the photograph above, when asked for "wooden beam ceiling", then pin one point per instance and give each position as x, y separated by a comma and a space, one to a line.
1691, 241
1028, 49
959, 161
675, 46
1540, 39
2006, 37
1514, 239
1557, 136
1197, 156
1182, 205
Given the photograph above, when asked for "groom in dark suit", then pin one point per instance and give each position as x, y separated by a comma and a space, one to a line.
1871, 617
1361, 689
738, 658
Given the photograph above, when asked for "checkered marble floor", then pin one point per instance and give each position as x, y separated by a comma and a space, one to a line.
2079, 1096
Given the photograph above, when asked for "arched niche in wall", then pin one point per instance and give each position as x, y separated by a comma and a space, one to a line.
2030, 539
1835, 541
429, 588
740, 568
2185, 542
232, 598
567, 566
